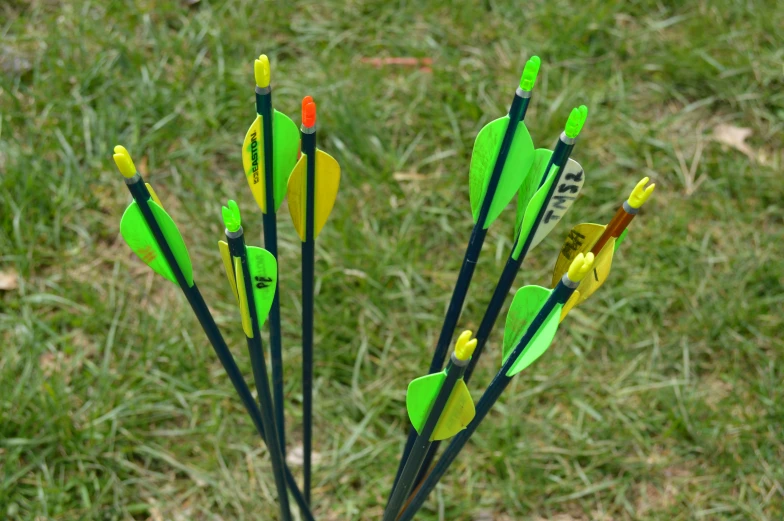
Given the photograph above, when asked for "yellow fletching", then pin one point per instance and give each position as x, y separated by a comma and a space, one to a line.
458, 413
599, 272
253, 162
327, 184
296, 196
243, 298
640, 194
154, 195
581, 239
261, 70
227, 265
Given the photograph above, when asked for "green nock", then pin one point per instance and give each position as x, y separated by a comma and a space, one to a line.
530, 72
231, 216
576, 121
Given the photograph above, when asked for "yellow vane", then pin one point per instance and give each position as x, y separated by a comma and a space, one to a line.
327, 184
640, 194
581, 239
243, 298
154, 195
589, 285
229, 267
261, 69
124, 162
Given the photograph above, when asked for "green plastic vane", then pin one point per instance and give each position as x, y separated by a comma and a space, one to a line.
576, 121
530, 72
526, 304
137, 234
531, 184
264, 276
457, 414
535, 204
518, 162
231, 216
620, 238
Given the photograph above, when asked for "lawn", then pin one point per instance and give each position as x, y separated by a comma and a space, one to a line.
661, 398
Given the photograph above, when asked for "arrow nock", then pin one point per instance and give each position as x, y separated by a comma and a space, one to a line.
580, 267
261, 70
124, 162
640, 194
530, 72
231, 216
576, 121
308, 111
464, 346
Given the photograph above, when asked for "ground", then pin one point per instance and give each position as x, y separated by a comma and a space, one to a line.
661, 398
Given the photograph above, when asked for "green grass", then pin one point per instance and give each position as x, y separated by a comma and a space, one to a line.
661, 398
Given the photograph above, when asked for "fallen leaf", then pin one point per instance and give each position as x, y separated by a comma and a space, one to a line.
9, 280
296, 457
734, 137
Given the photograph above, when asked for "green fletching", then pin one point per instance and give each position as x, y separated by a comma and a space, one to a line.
531, 184
530, 72
420, 396
574, 124
536, 203
620, 239
286, 146
526, 304
483, 158
139, 237
231, 216
264, 277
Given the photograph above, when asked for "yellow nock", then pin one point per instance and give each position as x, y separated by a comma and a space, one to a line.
581, 265
124, 162
640, 194
261, 70
464, 347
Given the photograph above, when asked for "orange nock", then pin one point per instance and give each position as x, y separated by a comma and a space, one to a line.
308, 112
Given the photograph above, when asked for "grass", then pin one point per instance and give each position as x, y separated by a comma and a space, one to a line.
661, 398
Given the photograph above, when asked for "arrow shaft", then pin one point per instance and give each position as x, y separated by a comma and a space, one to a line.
422, 442
559, 295
614, 228
308, 261
470, 259
259, 366
141, 195
269, 220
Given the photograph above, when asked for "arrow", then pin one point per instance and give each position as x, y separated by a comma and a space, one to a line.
312, 190
269, 153
439, 406
547, 193
535, 331
501, 159
252, 274
602, 241
157, 234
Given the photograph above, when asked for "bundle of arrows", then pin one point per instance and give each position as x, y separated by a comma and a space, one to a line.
279, 161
